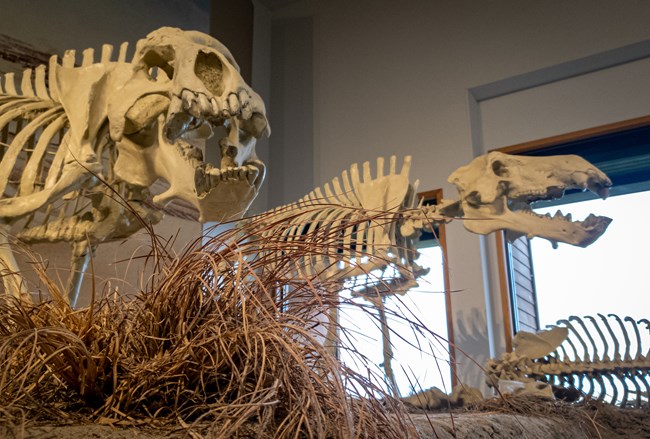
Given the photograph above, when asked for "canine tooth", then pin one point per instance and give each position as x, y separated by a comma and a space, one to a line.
177, 121
246, 111
204, 104
215, 106
590, 220
245, 100
252, 174
195, 108
233, 102
176, 105
568, 217
188, 98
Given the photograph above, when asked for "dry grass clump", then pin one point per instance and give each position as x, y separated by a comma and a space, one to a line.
217, 338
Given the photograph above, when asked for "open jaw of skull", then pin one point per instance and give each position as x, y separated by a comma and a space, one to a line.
497, 190
186, 88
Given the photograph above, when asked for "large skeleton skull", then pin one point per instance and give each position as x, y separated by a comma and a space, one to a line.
199, 90
496, 191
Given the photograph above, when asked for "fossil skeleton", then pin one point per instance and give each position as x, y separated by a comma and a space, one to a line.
79, 140
495, 194
591, 357
376, 221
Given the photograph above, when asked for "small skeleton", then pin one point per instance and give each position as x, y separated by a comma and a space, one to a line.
80, 142
583, 358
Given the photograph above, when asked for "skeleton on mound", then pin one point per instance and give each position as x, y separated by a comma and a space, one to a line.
82, 146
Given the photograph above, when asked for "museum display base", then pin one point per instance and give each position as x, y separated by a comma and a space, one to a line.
436, 425
552, 420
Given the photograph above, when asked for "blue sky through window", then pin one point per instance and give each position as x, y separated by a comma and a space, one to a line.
610, 276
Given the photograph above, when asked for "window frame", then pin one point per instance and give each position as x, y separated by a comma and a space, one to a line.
435, 197
505, 285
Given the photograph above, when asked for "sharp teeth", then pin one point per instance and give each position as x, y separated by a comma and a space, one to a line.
205, 107
214, 176
602, 191
215, 106
175, 122
188, 99
568, 217
214, 180
175, 106
192, 103
590, 220
252, 173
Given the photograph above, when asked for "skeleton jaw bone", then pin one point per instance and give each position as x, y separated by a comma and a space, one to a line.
496, 191
219, 194
525, 222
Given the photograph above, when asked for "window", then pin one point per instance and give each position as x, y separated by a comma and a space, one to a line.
621, 150
419, 359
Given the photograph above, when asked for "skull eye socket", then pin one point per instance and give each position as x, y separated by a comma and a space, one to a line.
209, 69
500, 169
161, 58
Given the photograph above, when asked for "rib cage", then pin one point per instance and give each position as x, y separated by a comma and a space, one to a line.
340, 215
605, 358
33, 127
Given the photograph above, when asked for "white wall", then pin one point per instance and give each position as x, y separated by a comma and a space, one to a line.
393, 77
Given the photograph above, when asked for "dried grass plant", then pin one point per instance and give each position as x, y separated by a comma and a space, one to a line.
222, 336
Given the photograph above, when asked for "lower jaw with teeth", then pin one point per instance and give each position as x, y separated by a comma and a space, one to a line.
526, 222
208, 178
